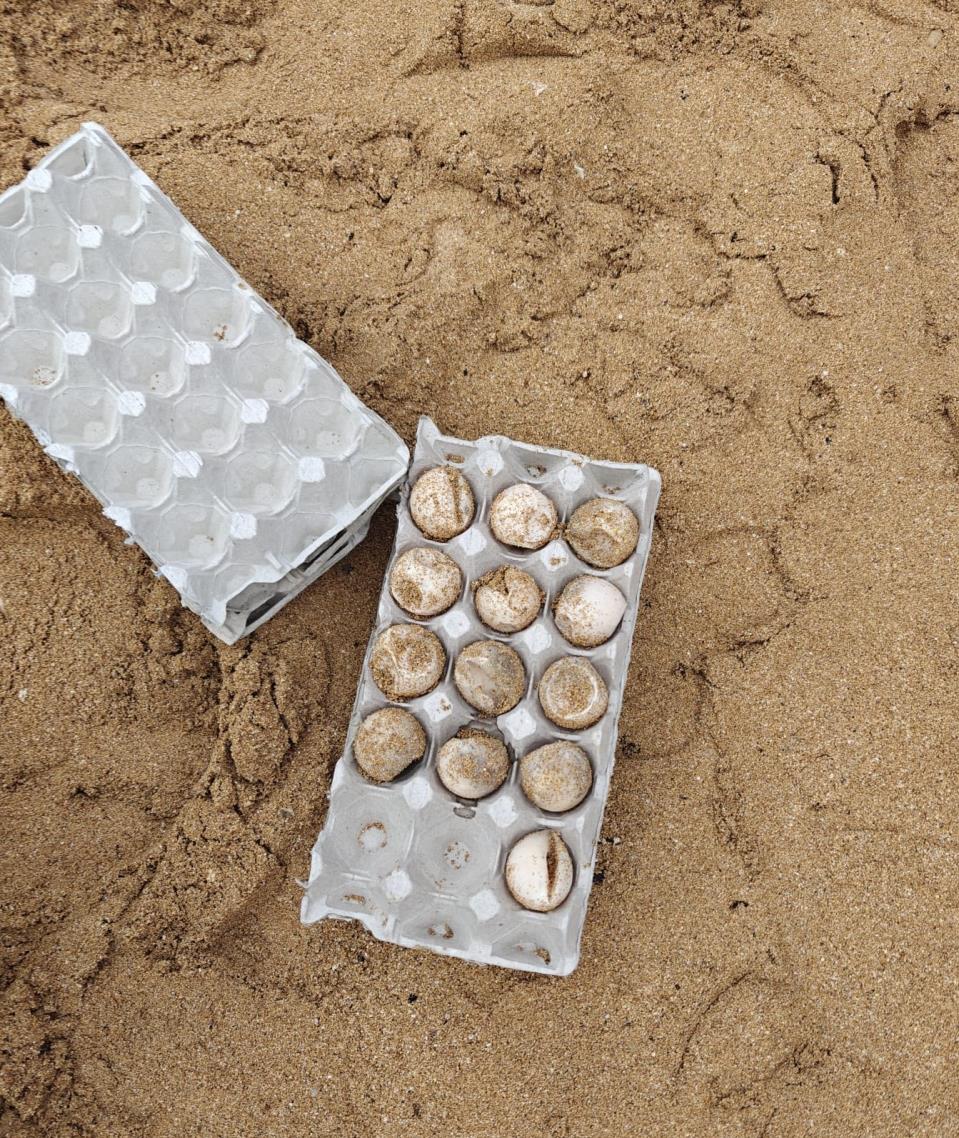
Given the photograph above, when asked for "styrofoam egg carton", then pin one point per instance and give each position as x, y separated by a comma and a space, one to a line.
407, 858
230, 451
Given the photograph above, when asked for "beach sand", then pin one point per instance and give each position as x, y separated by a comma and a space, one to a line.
719, 238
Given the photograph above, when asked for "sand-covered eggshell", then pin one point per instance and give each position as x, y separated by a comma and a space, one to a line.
442, 503
407, 661
472, 764
490, 676
523, 517
603, 532
425, 582
557, 776
588, 611
387, 742
573, 694
507, 599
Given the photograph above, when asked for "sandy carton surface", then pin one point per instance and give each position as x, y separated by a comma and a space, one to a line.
720, 238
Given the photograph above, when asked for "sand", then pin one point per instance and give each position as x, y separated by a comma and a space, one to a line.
718, 237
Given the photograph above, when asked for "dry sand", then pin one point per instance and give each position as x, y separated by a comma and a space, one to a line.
719, 237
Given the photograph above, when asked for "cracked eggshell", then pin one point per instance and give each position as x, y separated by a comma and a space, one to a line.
442, 503
539, 871
603, 532
425, 582
523, 517
407, 661
588, 611
472, 764
507, 599
573, 694
387, 742
490, 676
556, 777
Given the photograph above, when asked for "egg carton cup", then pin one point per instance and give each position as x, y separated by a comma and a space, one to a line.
231, 452
416, 865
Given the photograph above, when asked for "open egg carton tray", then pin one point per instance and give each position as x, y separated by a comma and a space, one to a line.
416, 865
227, 449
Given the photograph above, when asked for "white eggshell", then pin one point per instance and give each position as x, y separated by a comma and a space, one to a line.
472, 764
442, 503
523, 516
425, 581
589, 610
539, 871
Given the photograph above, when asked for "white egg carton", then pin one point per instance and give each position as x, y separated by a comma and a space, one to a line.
225, 447
416, 865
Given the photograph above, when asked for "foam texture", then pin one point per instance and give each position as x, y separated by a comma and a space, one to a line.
416, 865
230, 451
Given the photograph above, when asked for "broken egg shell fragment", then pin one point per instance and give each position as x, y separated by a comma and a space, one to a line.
507, 599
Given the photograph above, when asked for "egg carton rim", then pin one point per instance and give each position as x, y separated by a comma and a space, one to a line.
427, 429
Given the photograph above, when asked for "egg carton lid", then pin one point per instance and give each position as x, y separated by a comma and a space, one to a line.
407, 859
229, 450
